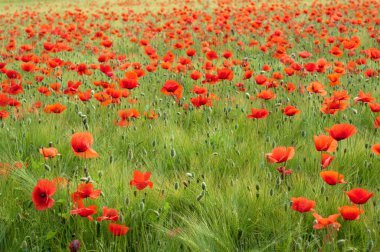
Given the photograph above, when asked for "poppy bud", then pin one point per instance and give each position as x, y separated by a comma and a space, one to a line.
200, 196
341, 243
271, 192
100, 174
142, 205
154, 143
190, 174
47, 168
257, 195
127, 201
176, 186
185, 184
203, 186
172, 153
74, 246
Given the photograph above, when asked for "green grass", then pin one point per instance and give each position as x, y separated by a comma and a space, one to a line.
243, 204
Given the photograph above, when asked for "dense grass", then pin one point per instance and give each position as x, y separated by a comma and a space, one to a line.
213, 189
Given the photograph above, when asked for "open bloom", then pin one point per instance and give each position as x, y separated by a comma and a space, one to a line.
117, 229
302, 205
332, 177
141, 180
81, 143
50, 152
325, 143
109, 214
359, 195
342, 131
330, 221
258, 113
280, 154
376, 149
84, 211
85, 191
42, 193
172, 88
350, 212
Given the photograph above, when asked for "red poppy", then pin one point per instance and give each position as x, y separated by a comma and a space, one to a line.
3, 114
291, 111
117, 230
85, 211
350, 212
81, 143
376, 149
328, 222
363, 97
326, 160
50, 152
266, 95
359, 195
332, 177
377, 122
109, 214
42, 193
302, 205
258, 113
141, 180
56, 108
325, 143
172, 88
85, 190
375, 107
280, 154
225, 74
125, 117
341, 131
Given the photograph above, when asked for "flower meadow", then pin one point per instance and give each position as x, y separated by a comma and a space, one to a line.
172, 125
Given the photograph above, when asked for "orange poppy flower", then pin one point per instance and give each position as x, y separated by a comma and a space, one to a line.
266, 95
280, 154
328, 222
83, 211
376, 123
332, 177
50, 152
350, 212
56, 108
363, 97
341, 131
81, 144
85, 190
141, 180
316, 87
3, 114
359, 196
325, 143
302, 205
376, 149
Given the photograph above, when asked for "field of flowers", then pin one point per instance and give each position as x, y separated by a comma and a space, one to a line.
171, 125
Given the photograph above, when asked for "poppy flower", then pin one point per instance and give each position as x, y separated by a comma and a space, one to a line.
258, 113
56, 108
126, 115
377, 122
172, 88
85, 190
375, 107
376, 149
42, 193
85, 211
291, 111
332, 177
141, 180
225, 74
328, 222
151, 115
342, 131
280, 154
317, 87
50, 152
199, 90
109, 214
359, 196
302, 205
117, 230
325, 143
200, 101
81, 143
266, 95
74, 246
350, 212
284, 171
363, 97
3, 114
326, 160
